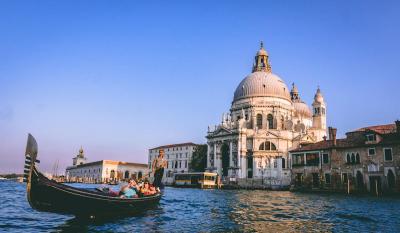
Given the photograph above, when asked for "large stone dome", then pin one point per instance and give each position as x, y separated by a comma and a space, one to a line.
262, 84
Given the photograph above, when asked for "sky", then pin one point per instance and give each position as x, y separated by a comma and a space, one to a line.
120, 77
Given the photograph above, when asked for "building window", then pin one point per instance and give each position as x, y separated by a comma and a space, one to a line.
267, 145
371, 137
371, 151
388, 154
298, 159
259, 121
185, 163
358, 158
283, 163
325, 158
312, 159
353, 158
327, 178
275, 163
270, 120
348, 158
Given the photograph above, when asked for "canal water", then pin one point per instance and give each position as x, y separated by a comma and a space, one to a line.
194, 210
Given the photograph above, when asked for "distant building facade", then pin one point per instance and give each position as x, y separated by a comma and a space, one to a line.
103, 171
265, 121
178, 157
368, 159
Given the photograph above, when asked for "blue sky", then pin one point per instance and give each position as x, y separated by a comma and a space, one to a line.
119, 77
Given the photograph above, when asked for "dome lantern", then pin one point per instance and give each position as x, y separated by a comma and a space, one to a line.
261, 62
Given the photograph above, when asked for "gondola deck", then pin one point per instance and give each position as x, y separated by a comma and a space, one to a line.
47, 195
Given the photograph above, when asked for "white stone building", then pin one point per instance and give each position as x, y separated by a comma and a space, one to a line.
178, 157
265, 121
103, 171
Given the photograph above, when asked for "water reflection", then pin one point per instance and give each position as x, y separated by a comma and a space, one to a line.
192, 210
260, 211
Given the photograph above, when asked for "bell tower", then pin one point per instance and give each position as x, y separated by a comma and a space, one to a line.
319, 111
261, 62
79, 159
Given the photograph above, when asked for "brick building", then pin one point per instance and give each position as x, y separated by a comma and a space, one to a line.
368, 159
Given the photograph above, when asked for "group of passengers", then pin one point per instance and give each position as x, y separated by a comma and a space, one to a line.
143, 188
134, 189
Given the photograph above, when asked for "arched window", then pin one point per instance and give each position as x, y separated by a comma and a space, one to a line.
357, 158
283, 163
112, 174
140, 174
267, 145
353, 158
348, 158
126, 175
259, 121
270, 120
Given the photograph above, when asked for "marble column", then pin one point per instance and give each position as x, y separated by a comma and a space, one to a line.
239, 148
215, 154
208, 156
230, 154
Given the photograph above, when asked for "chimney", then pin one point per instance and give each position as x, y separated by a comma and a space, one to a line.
397, 126
332, 135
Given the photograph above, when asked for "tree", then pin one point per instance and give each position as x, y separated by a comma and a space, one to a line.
198, 162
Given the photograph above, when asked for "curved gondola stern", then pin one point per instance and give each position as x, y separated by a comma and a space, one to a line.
30, 163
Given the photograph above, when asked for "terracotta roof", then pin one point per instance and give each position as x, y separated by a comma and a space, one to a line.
356, 139
323, 145
175, 145
381, 129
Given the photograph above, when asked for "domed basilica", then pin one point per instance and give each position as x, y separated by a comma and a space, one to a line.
265, 121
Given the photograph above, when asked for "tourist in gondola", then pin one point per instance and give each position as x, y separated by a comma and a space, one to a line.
159, 164
147, 189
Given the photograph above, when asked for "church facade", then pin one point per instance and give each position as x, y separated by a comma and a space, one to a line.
265, 121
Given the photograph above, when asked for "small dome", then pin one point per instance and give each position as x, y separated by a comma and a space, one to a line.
262, 52
302, 109
80, 153
262, 84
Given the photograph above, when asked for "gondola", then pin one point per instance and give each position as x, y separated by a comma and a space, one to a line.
47, 195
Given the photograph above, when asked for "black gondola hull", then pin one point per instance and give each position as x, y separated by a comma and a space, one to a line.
50, 196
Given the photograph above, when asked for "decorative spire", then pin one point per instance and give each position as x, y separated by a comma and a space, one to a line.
261, 60
294, 93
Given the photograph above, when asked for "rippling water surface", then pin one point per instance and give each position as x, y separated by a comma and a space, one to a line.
194, 210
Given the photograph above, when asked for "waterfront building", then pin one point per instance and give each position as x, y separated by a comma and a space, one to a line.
265, 121
178, 157
103, 171
368, 159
